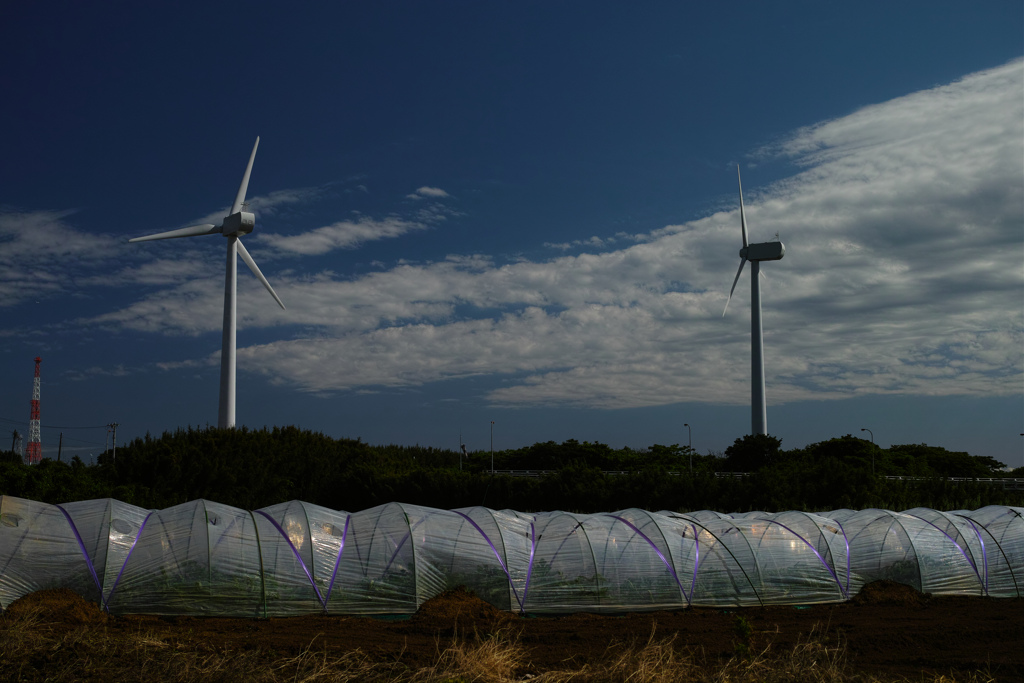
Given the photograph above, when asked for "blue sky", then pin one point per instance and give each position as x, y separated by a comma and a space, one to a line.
518, 212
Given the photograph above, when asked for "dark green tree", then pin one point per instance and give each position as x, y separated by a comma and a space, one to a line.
752, 452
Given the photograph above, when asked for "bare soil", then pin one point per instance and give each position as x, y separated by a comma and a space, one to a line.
888, 629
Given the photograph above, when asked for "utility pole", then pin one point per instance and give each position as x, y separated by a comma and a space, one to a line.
60, 446
689, 444
113, 427
872, 450
492, 446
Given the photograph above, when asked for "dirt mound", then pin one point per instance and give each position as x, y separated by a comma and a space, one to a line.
60, 606
461, 609
888, 592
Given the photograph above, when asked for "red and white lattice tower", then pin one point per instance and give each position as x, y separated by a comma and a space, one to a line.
34, 453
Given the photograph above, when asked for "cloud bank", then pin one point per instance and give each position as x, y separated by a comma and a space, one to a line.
42, 255
902, 275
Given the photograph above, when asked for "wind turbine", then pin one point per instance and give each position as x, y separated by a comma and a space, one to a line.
238, 222
755, 253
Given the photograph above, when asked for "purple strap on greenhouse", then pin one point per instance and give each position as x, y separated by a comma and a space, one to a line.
297, 556
81, 546
529, 571
106, 603
651, 543
337, 562
984, 552
496, 555
847, 555
845, 593
696, 560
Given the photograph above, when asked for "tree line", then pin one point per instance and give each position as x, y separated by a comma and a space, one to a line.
251, 469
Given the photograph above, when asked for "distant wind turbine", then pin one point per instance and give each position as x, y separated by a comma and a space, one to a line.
755, 253
238, 222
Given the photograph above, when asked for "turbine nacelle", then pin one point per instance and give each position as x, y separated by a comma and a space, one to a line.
763, 251
238, 224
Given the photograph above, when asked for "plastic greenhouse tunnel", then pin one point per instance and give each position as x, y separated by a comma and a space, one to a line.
205, 558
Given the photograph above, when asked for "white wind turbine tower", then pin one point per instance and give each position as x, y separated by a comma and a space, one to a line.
755, 253
238, 222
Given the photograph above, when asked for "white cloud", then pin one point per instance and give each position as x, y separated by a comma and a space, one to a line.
341, 235
78, 375
186, 265
593, 241
212, 359
191, 307
41, 255
902, 275
432, 192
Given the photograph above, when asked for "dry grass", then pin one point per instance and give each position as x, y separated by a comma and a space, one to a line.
33, 650
495, 659
819, 659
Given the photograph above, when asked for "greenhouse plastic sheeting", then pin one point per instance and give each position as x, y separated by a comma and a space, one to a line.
81, 546
205, 558
301, 545
762, 558
934, 552
1001, 532
195, 558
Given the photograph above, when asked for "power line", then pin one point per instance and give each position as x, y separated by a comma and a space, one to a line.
91, 443
23, 422
59, 427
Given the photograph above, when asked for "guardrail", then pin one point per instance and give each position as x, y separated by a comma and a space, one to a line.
612, 473
1006, 483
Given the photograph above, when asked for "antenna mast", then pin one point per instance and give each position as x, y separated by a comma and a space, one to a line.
34, 453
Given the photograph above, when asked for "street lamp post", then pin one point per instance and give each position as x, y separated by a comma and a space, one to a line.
872, 450
492, 446
689, 444
462, 450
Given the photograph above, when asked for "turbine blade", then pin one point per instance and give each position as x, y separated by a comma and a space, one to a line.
737, 279
205, 229
244, 253
240, 197
743, 218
